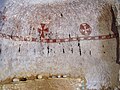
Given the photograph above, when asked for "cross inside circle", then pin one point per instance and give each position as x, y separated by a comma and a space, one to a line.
85, 29
42, 30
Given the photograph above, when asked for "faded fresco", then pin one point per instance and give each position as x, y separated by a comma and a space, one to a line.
75, 37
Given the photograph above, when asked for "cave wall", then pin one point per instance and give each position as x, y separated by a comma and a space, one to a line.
66, 47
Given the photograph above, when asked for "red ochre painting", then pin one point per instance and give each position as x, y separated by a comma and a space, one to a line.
85, 30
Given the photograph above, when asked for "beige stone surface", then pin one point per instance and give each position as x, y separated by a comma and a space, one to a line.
48, 84
94, 59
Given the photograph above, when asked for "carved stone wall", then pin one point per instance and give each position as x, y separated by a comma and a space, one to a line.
74, 37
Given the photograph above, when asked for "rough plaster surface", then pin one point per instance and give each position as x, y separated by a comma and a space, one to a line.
97, 59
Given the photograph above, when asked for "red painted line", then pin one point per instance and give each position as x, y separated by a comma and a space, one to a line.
25, 39
21, 38
54, 40
32, 39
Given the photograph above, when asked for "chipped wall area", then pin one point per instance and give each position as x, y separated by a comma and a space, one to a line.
27, 28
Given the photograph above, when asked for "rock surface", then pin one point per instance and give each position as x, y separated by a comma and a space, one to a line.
50, 84
35, 38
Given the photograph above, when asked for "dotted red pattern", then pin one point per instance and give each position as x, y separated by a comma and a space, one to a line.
33, 39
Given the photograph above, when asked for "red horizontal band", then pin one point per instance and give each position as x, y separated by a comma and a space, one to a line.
32, 39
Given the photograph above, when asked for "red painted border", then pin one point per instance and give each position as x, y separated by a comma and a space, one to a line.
32, 39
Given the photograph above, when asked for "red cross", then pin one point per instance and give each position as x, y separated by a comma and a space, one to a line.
42, 30
85, 29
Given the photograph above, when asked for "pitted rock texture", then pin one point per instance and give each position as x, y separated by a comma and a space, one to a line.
95, 59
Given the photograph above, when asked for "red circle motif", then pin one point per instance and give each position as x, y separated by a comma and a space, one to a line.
85, 29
